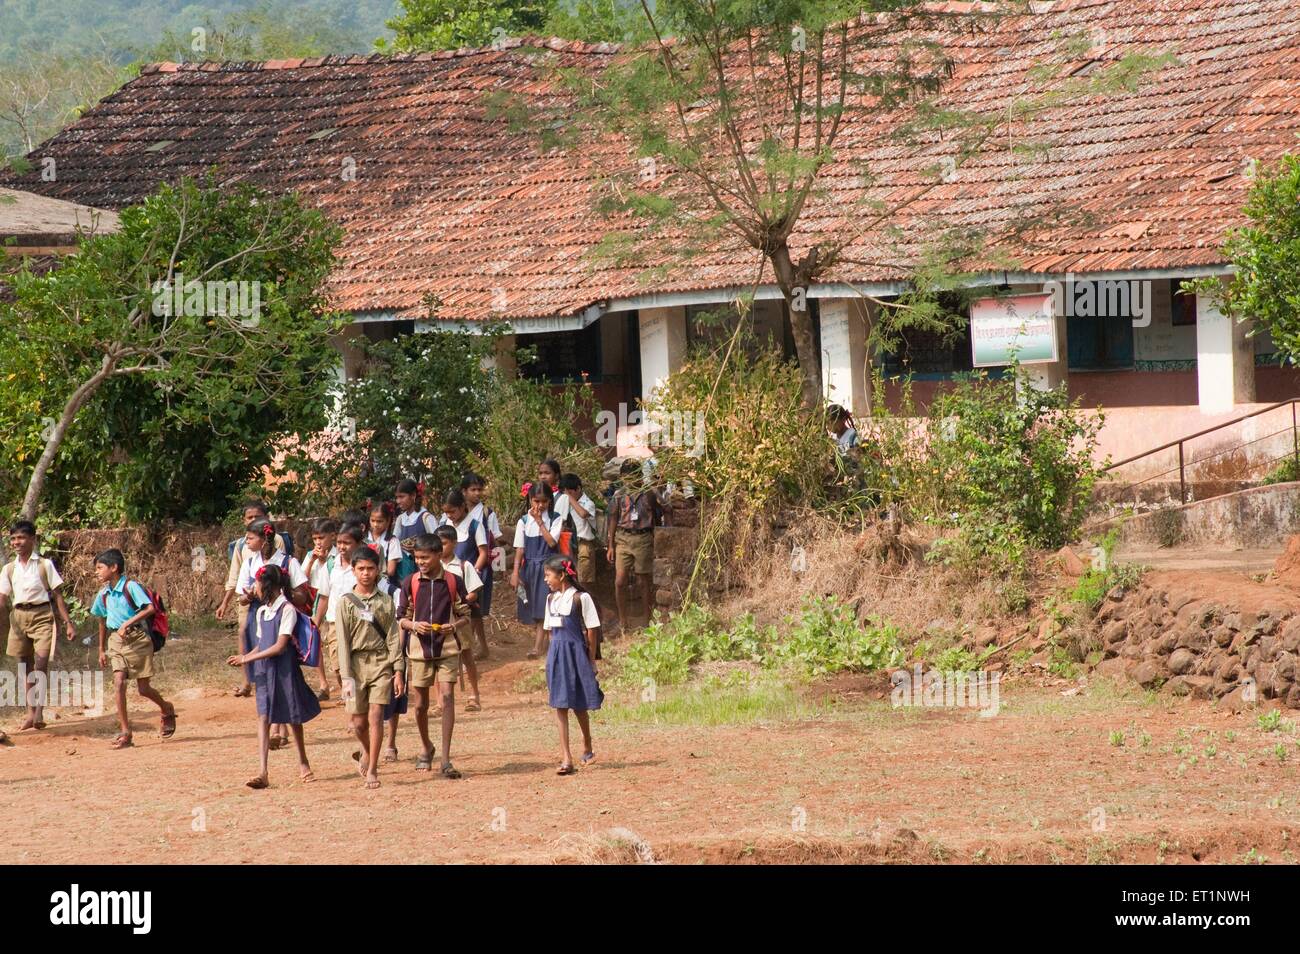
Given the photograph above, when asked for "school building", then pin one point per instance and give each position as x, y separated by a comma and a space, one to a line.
451, 215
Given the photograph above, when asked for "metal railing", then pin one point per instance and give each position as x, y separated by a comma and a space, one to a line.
1184, 464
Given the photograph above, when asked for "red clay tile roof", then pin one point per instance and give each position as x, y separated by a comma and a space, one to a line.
449, 203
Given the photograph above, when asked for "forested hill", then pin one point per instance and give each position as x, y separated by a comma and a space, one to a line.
126, 30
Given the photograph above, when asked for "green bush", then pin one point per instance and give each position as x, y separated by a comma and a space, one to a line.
1013, 457
824, 638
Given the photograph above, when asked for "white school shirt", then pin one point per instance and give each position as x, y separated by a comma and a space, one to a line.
563, 506
528, 527
405, 519
287, 620
847, 440
471, 582
492, 523
318, 577
248, 572
26, 586
391, 549
342, 579
561, 604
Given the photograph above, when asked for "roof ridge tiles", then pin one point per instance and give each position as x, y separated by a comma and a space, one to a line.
553, 43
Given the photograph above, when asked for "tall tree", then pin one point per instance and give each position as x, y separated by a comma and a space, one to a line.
733, 112
207, 306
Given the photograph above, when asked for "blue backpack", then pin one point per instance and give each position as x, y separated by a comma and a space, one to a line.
306, 640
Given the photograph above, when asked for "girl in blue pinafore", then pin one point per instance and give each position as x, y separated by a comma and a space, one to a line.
283, 696
537, 537
260, 540
574, 625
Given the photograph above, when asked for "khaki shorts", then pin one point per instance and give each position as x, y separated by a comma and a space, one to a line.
331, 645
373, 678
133, 655
423, 673
31, 632
587, 561
634, 552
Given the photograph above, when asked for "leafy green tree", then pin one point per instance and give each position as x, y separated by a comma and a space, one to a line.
417, 410
450, 24
598, 21
1266, 254
183, 348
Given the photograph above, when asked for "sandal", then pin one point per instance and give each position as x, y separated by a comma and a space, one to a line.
323, 695
258, 782
390, 755
168, 724
372, 783
473, 705
278, 742
532, 654
307, 776
122, 742
565, 770
587, 758
243, 692
449, 772
424, 763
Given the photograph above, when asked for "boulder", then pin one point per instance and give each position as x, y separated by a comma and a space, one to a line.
1116, 667
1198, 687
1182, 661
1148, 674
1114, 633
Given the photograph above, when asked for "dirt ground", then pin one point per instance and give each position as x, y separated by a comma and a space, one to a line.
1101, 774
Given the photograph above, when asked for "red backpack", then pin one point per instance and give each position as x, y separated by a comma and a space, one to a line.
158, 625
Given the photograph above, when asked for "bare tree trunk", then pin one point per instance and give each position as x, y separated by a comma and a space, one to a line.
795, 290
52, 443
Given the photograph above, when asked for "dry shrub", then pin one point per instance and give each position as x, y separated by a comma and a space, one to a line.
844, 564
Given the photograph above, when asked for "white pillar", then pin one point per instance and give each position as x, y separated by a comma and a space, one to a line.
663, 345
1225, 360
844, 352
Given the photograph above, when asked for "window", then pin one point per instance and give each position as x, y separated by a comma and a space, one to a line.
563, 355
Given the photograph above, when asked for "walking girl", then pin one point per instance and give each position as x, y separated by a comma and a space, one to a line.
574, 624
537, 536
283, 697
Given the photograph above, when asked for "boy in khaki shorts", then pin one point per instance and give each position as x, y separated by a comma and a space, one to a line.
122, 607
427, 606
633, 514
30, 589
370, 658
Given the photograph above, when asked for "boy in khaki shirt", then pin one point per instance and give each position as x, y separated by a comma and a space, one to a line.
370, 658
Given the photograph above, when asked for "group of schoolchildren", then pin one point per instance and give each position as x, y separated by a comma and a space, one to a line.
398, 597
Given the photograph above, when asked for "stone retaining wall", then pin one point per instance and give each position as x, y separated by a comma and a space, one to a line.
1200, 635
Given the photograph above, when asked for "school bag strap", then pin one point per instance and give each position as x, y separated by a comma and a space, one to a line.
360, 606
11, 568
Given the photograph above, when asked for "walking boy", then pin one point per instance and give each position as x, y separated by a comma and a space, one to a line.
122, 607
370, 658
432, 640
634, 513
30, 587
318, 566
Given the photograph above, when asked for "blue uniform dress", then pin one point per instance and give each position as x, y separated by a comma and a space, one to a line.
570, 676
467, 549
406, 566
485, 594
282, 692
532, 575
